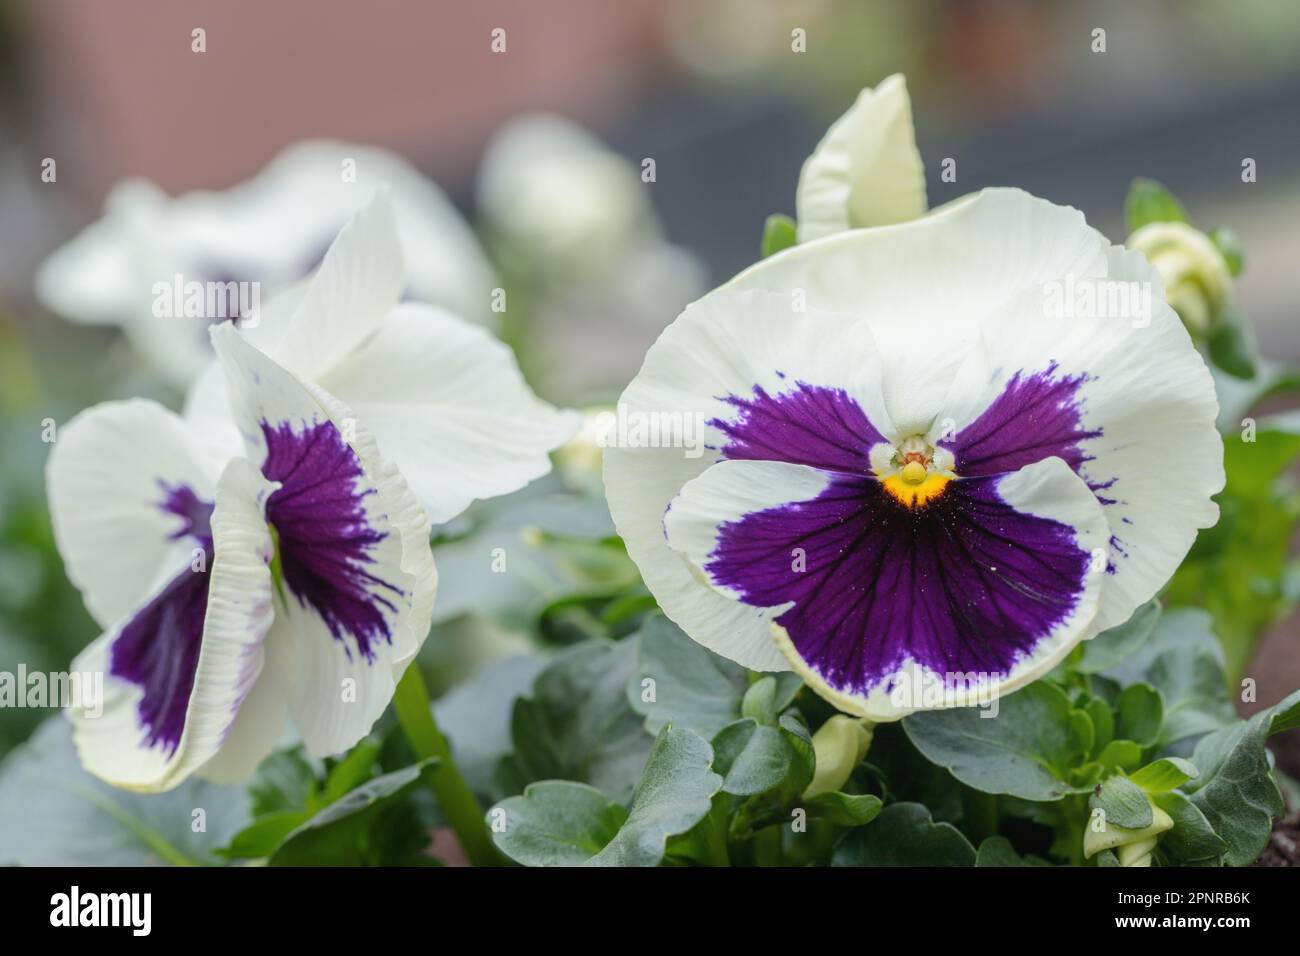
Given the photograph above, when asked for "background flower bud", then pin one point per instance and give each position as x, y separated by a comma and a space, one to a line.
1196, 275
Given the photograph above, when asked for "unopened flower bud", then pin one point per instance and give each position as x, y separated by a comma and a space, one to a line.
1196, 275
839, 746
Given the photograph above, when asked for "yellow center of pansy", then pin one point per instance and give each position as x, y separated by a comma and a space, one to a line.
913, 476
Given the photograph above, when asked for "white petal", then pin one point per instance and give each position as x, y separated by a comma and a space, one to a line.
281, 221
866, 171
1158, 458
447, 404
177, 670
726, 345
925, 286
359, 580
358, 284
107, 480
106, 272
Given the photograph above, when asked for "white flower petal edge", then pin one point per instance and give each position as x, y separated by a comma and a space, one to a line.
444, 400
103, 483
358, 574
866, 171
144, 735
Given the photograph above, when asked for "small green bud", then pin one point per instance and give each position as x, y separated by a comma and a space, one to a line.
1132, 846
839, 745
1196, 275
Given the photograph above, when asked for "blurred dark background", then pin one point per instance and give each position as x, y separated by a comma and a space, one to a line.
710, 89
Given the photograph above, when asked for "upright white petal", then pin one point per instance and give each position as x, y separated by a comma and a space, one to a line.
866, 171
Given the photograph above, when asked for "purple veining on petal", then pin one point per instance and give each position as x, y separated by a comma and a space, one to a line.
963, 584
808, 425
158, 649
195, 513
1035, 417
325, 540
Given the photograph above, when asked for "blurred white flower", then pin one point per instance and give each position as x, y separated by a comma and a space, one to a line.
268, 555
271, 230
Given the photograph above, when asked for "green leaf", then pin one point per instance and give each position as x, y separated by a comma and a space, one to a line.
998, 851
752, 757
1120, 755
264, 835
1103, 723
475, 717
1124, 804
343, 834
1183, 660
1026, 750
1110, 647
1192, 841
1140, 713
778, 233
844, 809
692, 688
674, 794
903, 834
1232, 344
352, 771
1229, 244
53, 813
1164, 774
555, 823
1149, 201
578, 724
1236, 791
286, 780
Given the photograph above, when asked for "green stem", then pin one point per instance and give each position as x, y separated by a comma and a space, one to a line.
455, 798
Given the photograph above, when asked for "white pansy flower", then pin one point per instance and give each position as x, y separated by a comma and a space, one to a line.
271, 230
269, 556
926, 480
866, 171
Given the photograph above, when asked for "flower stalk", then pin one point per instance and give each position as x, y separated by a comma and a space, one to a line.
458, 803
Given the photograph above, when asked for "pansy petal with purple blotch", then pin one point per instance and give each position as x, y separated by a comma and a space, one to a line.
357, 574
177, 670
872, 599
106, 476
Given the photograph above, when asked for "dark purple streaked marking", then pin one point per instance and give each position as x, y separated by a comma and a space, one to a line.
158, 649
1035, 417
964, 583
325, 541
808, 425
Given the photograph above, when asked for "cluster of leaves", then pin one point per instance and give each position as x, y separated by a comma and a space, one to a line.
728, 756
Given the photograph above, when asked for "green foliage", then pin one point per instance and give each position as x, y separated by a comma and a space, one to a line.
778, 234
1149, 201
